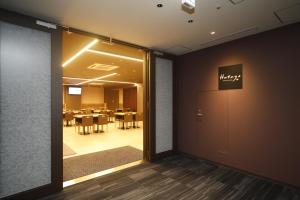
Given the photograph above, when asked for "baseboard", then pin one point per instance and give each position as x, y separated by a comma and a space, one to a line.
163, 155
35, 193
240, 170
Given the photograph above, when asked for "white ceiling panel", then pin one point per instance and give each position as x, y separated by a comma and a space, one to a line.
142, 22
290, 14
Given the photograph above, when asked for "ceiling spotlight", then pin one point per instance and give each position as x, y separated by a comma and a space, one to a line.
190, 21
159, 5
213, 32
190, 4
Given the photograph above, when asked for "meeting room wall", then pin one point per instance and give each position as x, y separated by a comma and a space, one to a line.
92, 95
130, 98
111, 97
121, 97
256, 128
72, 102
140, 98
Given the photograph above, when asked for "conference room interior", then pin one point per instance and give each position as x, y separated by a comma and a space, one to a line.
102, 105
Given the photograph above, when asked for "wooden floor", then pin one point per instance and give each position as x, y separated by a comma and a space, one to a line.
178, 177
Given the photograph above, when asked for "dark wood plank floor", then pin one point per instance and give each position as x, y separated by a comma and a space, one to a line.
178, 177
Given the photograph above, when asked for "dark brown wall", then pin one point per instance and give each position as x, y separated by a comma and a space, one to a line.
130, 98
111, 97
260, 124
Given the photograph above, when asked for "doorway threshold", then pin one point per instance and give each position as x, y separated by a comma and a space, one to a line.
101, 173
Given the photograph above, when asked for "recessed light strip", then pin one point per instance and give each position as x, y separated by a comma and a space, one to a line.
80, 52
68, 84
122, 82
72, 78
115, 55
96, 79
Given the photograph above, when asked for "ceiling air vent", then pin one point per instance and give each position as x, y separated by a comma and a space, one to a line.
102, 67
235, 2
178, 50
288, 15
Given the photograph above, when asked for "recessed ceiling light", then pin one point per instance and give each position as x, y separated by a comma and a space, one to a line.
115, 55
213, 32
73, 78
99, 79
190, 21
96, 79
122, 82
159, 5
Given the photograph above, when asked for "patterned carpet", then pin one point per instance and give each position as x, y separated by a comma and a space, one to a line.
83, 165
178, 178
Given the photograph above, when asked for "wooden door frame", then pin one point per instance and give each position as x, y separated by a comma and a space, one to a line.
147, 134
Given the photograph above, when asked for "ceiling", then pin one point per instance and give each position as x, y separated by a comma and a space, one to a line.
167, 29
118, 69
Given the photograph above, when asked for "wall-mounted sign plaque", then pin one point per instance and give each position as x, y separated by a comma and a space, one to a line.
231, 77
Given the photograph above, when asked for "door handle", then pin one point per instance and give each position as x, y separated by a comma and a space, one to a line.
200, 115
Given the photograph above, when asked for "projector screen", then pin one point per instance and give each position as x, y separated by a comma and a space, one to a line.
75, 90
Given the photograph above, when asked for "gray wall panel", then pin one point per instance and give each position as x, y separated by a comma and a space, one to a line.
25, 112
164, 105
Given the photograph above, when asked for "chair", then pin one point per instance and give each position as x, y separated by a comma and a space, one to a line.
87, 121
97, 111
127, 109
88, 111
138, 117
69, 117
111, 116
102, 120
104, 112
128, 118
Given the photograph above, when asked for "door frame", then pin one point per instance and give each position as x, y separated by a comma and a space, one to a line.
56, 104
56, 184
147, 134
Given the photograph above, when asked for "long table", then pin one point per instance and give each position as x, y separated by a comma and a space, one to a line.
102, 111
78, 119
120, 116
